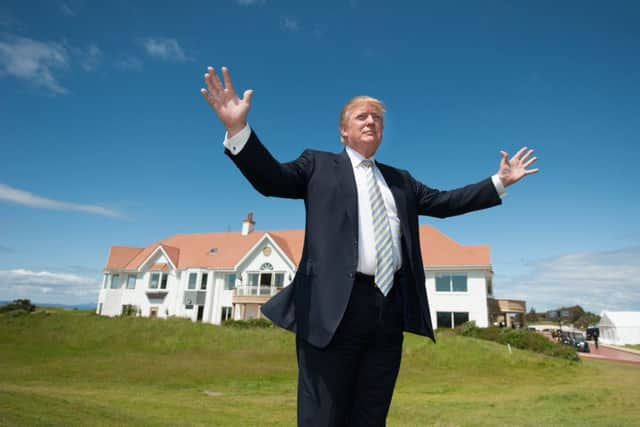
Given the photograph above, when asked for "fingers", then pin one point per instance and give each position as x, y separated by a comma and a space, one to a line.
526, 156
247, 96
505, 158
530, 162
532, 171
209, 99
216, 91
519, 154
215, 81
227, 81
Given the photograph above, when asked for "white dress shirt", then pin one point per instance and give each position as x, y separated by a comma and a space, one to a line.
366, 240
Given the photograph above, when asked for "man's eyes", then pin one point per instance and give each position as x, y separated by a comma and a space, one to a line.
364, 116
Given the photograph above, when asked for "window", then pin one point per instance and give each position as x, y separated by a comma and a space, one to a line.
460, 318
451, 283
131, 281
129, 310
229, 282
279, 280
442, 284
193, 277
448, 319
163, 284
253, 279
226, 313
459, 283
444, 319
155, 279
115, 281
203, 281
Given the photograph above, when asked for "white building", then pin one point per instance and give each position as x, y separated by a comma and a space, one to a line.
212, 277
619, 327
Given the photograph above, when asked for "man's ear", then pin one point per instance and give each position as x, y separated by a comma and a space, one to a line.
343, 132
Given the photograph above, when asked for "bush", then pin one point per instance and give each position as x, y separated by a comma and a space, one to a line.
19, 304
519, 338
251, 323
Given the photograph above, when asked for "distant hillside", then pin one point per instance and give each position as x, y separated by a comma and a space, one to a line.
86, 306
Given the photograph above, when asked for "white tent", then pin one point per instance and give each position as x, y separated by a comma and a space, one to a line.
620, 327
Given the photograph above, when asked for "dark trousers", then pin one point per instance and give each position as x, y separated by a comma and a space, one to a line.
350, 382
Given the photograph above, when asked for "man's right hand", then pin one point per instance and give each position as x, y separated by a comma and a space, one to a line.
231, 110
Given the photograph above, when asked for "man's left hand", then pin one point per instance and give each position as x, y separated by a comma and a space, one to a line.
514, 169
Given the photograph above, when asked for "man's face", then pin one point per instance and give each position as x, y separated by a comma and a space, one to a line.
362, 130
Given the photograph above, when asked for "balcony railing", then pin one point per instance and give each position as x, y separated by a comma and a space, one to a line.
242, 291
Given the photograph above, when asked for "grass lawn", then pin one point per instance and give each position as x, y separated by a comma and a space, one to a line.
633, 347
68, 368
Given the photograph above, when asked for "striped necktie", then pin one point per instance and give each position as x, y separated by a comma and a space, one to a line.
381, 231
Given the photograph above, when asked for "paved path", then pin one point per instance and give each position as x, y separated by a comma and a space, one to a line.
605, 352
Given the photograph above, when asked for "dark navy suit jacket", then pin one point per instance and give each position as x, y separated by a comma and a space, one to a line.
315, 301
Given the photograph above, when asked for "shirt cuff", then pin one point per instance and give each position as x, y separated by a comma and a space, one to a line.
499, 186
236, 143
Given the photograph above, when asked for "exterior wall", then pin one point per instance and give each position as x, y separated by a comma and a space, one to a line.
110, 301
113, 299
474, 301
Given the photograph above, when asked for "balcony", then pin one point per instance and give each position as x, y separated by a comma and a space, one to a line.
253, 294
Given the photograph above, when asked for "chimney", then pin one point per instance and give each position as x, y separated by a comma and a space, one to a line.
247, 224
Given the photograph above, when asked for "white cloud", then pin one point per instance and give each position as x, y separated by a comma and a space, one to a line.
90, 57
25, 198
128, 62
33, 60
66, 10
290, 24
49, 286
604, 280
165, 49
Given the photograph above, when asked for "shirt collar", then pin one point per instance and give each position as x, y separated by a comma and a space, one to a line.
357, 158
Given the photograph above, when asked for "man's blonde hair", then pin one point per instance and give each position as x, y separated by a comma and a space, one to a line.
363, 99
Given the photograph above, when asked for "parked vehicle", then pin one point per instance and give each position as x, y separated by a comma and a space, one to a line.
575, 340
593, 332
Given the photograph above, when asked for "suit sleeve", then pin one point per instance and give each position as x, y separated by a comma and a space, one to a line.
443, 204
270, 177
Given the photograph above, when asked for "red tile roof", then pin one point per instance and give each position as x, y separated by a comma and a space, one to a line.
159, 267
225, 250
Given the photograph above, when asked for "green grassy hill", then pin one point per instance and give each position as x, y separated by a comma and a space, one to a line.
66, 368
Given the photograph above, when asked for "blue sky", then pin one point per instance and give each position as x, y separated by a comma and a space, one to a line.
105, 139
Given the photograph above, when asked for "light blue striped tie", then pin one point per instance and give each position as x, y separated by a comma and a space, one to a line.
381, 232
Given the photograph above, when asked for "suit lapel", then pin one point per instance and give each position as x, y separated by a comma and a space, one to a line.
394, 181
398, 190
346, 185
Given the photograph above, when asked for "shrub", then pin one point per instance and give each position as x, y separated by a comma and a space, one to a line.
519, 338
19, 304
251, 323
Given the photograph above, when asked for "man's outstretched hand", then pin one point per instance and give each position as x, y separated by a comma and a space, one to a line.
231, 110
514, 169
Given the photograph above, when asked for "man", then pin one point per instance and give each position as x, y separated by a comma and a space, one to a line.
360, 282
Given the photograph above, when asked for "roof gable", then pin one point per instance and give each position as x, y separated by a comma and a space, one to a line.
620, 318
225, 250
251, 253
